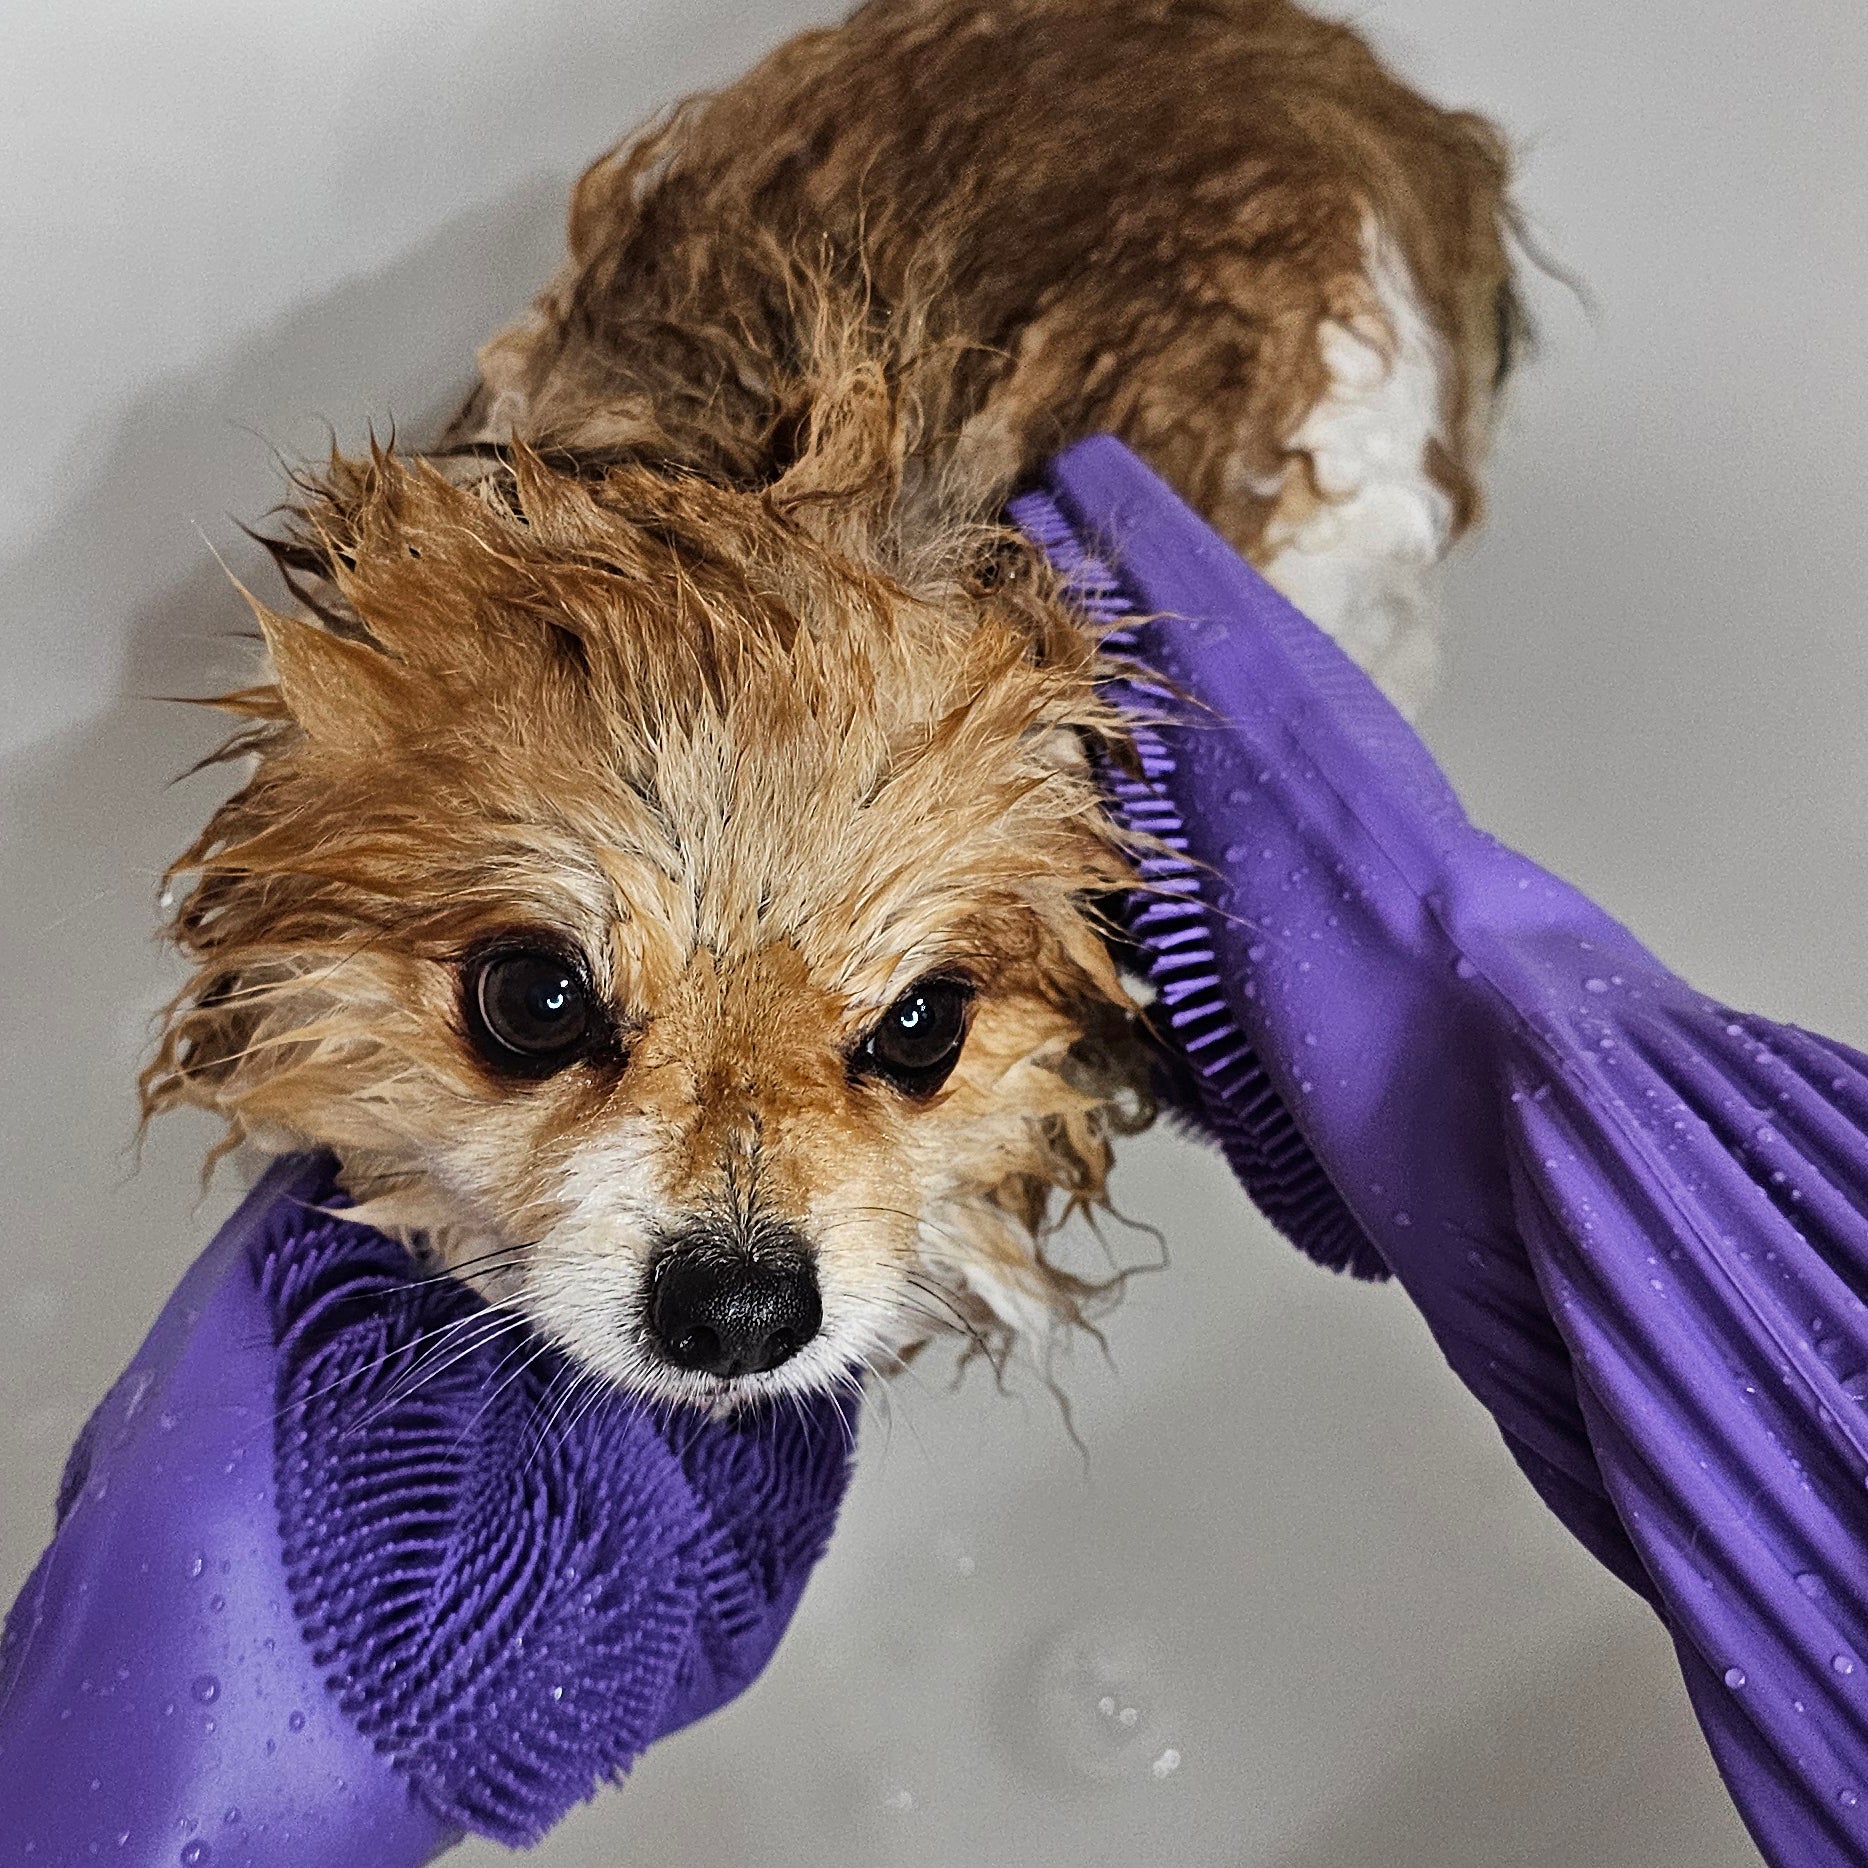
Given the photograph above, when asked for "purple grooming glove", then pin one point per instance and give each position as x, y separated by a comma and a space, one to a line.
344, 1569
1636, 1222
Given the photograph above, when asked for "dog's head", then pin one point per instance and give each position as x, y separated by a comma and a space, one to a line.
680, 925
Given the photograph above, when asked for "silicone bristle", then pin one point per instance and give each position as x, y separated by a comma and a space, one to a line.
1169, 920
512, 1596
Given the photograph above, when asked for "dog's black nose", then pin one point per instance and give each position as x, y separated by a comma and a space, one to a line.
728, 1312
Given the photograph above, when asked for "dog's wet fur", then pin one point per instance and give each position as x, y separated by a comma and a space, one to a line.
670, 871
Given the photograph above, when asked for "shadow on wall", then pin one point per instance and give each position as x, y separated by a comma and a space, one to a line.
94, 810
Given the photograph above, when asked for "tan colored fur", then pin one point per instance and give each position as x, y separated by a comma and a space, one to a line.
696, 648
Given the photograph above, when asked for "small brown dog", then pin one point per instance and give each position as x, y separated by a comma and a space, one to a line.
668, 873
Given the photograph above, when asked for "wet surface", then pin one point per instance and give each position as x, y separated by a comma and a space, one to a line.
1296, 1553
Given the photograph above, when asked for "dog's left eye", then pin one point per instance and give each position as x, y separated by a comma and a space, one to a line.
919, 1039
529, 1011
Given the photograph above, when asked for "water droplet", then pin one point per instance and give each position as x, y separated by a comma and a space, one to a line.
1843, 1663
1094, 1694
1734, 1677
1848, 1798
903, 1800
1464, 968
197, 1565
1404, 1218
232, 1816
206, 1688
557, 1692
296, 1722
216, 1604
1167, 1764
194, 1853
1810, 1583
1256, 951
1593, 984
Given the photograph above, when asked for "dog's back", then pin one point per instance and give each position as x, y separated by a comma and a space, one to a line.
1217, 228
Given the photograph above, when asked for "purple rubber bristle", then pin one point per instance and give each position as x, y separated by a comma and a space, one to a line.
513, 1584
1224, 1088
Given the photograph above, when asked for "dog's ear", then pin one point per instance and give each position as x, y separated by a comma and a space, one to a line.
342, 693
420, 587
843, 483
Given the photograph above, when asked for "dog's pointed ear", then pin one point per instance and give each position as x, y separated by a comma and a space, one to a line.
852, 423
843, 483
344, 694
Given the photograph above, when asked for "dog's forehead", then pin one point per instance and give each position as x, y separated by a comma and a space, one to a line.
862, 829
795, 876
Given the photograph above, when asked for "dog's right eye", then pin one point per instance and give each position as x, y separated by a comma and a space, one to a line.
530, 1011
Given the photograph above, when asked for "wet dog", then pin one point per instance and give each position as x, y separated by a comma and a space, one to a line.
671, 869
